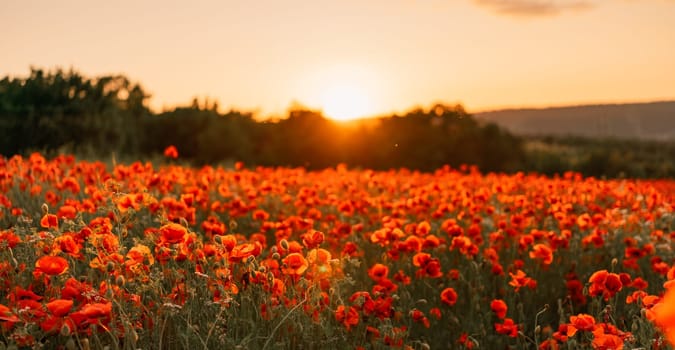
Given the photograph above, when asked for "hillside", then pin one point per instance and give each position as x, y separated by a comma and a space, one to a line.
648, 121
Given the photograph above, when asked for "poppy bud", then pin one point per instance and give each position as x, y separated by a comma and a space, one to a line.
65, 330
70, 344
120, 281
45, 208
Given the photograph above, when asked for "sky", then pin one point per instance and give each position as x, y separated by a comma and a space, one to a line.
355, 57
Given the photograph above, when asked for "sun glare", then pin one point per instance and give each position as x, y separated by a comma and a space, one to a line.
345, 102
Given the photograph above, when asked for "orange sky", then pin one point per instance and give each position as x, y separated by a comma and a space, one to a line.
356, 57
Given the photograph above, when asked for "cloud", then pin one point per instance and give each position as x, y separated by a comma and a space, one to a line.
534, 8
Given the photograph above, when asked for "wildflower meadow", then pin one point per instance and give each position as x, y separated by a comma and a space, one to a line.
163, 255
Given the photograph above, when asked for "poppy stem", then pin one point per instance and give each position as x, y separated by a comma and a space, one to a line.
282, 321
536, 324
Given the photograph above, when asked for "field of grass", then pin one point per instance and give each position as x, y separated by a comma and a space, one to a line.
149, 256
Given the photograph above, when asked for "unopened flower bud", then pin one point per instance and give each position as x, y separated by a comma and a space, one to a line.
120, 281
65, 330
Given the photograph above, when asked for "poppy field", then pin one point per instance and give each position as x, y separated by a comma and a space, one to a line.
168, 256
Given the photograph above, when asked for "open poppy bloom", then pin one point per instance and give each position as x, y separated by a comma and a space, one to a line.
7, 315
499, 307
604, 283
312, 239
243, 251
508, 327
171, 152
59, 307
49, 221
449, 296
580, 322
51, 265
296, 264
172, 233
378, 272
520, 279
664, 314
348, 316
92, 313
543, 253
605, 341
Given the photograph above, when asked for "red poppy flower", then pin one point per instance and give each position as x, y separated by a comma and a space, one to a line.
9, 238
7, 315
603, 341
378, 272
543, 253
663, 314
583, 322
51, 265
499, 307
312, 239
171, 152
449, 296
507, 328
243, 251
97, 310
172, 233
296, 264
59, 307
418, 316
605, 284
348, 316
520, 279
49, 221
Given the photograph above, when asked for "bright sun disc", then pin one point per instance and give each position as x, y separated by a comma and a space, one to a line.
345, 102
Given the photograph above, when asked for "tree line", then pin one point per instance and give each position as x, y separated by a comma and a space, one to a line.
60, 111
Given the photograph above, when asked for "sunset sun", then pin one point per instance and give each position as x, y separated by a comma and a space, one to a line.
345, 102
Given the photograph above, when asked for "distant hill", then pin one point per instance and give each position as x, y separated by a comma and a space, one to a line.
646, 121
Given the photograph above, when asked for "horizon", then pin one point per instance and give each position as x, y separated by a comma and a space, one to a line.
358, 59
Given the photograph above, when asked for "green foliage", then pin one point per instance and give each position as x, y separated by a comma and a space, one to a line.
610, 158
63, 111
